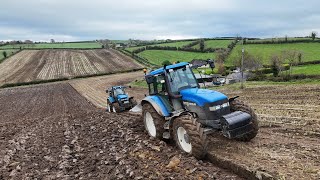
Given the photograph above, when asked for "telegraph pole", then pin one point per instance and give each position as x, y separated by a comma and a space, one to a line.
242, 65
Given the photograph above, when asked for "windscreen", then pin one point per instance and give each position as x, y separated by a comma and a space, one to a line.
118, 91
181, 79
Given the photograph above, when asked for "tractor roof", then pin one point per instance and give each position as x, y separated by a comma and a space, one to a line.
116, 87
173, 66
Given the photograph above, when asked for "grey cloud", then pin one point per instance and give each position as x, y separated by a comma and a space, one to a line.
148, 19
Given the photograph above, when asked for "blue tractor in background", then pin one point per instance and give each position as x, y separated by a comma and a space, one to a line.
119, 100
177, 108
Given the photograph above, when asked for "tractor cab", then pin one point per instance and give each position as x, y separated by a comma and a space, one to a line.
177, 88
167, 83
118, 92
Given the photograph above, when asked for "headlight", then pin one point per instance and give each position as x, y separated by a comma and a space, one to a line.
217, 107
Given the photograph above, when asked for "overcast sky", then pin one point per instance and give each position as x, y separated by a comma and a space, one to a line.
72, 20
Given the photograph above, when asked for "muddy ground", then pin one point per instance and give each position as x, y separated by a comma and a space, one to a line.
51, 132
287, 145
94, 89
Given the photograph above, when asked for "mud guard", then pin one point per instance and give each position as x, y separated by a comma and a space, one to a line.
111, 99
157, 104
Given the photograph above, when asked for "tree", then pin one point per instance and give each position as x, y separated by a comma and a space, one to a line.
221, 68
249, 61
52, 41
201, 45
166, 62
221, 55
313, 35
300, 57
293, 57
4, 53
276, 61
244, 41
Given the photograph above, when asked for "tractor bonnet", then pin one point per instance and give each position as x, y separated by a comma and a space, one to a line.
201, 96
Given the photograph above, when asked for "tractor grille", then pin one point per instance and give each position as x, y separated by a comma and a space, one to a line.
217, 114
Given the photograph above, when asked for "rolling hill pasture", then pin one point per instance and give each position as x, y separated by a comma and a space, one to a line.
310, 51
159, 56
214, 44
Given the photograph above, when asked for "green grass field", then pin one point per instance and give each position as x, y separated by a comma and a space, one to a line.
158, 56
175, 44
134, 48
310, 51
9, 53
280, 39
54, 45
312, 69
214, 44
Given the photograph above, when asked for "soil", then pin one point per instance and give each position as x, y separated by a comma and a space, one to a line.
94, 89
287, 145
52, 132
32, 65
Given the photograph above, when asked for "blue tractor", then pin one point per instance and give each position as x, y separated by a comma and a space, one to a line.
177, 108
119, 100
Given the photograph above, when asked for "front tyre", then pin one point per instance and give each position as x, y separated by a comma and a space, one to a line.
153, 122
116, 107
132, 102
109, 106
189, 136
237, 105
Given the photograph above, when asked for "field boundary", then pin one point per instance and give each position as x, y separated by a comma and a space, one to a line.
139, 59
282, 41
8, 85
12, 54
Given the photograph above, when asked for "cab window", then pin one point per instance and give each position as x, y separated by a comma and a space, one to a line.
158, 86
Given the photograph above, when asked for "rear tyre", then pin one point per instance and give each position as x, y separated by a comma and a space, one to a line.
189, 137
116, 107
237, 105
153, 122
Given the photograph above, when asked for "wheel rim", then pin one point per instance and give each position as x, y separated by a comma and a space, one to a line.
151, 128
114, 109
183, 139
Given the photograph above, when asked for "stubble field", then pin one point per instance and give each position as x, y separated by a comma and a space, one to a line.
35, 65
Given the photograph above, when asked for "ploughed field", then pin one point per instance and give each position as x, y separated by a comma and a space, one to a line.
52, 132
94, 88
288, 144
35, 65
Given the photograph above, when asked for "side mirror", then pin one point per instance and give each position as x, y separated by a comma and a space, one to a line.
150, 79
